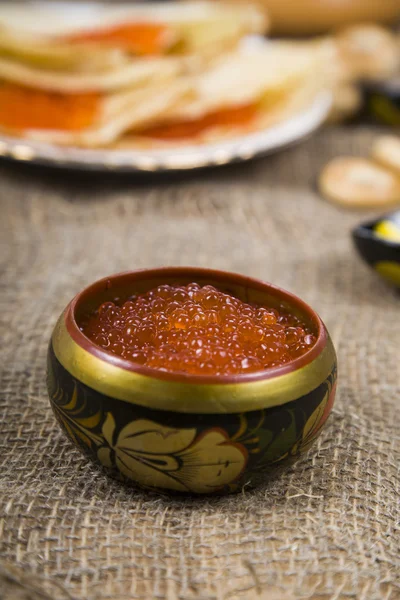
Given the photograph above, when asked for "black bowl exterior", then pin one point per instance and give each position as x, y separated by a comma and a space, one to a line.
382, 101
178, 432
383, 256
186, 452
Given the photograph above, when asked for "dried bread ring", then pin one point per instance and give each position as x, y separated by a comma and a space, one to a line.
368, 51
347, 101
359, 183
386, 151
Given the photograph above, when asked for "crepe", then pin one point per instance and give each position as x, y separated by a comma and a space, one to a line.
244, 90
249, 74
135, 73
100, 120
101, 37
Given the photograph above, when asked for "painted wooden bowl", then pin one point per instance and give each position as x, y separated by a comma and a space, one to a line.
378, 243
187, 433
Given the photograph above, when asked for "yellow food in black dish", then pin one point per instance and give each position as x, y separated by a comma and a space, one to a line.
389, 230
378, 243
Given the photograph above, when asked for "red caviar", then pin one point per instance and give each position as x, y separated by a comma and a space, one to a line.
237, 116
138, 38
198, 330
24, 108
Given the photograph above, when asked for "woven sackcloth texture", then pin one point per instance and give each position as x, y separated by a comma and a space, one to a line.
326, 528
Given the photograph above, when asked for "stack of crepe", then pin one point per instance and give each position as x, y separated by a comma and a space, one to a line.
150, 75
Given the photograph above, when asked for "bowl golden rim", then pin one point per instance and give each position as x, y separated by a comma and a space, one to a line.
187, 397
135, 384
221, 278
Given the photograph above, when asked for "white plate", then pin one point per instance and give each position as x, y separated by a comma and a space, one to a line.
188, 157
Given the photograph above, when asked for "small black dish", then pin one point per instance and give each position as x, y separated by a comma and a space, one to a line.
382, 100
377, 244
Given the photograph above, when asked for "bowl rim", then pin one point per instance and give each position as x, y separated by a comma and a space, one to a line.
365, 231
198, 272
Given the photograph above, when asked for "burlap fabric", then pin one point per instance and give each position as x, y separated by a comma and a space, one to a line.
328, 527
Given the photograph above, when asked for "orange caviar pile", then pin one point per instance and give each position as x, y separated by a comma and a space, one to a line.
24, 108
238, 116
138, 38
197, 330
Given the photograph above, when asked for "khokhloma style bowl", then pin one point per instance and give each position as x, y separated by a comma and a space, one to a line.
186, 433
